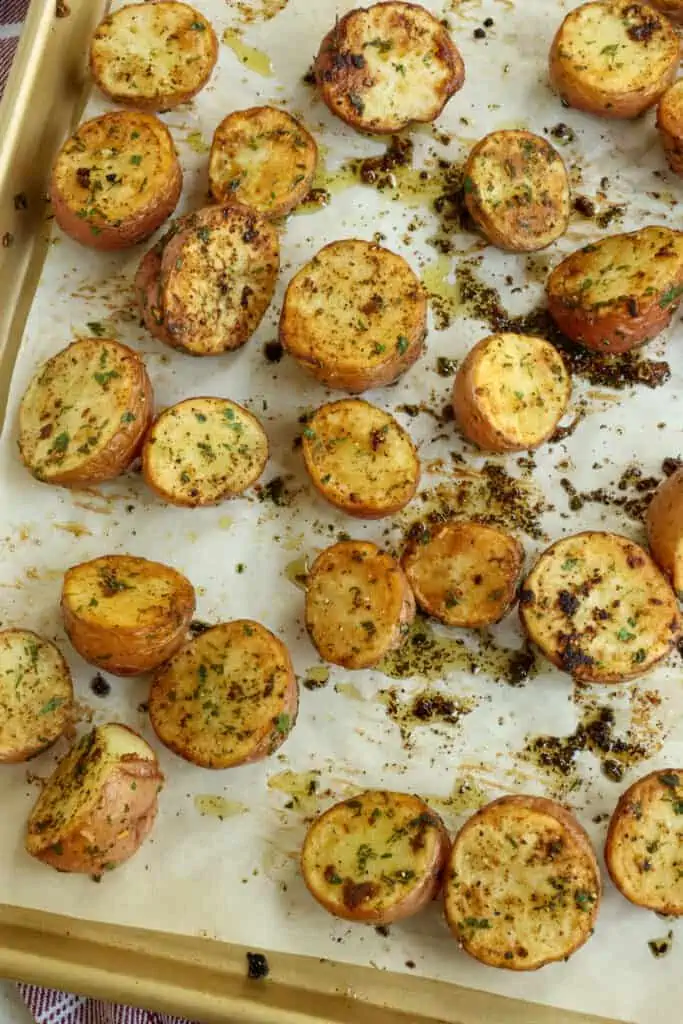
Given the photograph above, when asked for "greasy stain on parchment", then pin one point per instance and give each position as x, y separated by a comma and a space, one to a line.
211, 806
254, 60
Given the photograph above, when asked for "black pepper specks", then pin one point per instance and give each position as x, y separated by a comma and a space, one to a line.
257, 966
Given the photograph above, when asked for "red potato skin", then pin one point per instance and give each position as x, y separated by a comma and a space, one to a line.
612, 333
147, 280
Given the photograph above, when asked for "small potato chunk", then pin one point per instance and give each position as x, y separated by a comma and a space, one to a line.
665, 529
153, 56
205, 287
522, 885
510, 392
98, 805
116, 180
358, 604
84, 415
464, 574
125, 614
204, 450
599, 608
613, 59
228, 698
644, 847
670, 126
264, 158
517, 191
355, 316
36, 695
619, 292
360, 459
377, 858
383, 67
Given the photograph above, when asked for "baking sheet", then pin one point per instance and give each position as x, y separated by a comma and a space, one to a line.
230, 872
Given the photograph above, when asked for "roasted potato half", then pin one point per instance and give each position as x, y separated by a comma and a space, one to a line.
207, 286
116, 180
672, 8
153, 56
36, 695
670, 125
98, 805
517, 190
202, 451
264, 158
665, 529
84, 415
358, 604
510, 392
644, 847
126, 614
383, 67
619, 292
464, 574
355, 316
378, 857
360, 459
227, 698
599, 608
614, 59
522, 887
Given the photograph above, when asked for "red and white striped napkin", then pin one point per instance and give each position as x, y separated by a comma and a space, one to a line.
12, 14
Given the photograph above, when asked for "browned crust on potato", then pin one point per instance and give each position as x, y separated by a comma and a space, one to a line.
665, 529
672, 8
670, 125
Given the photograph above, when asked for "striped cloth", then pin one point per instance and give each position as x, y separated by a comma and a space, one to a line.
12, 13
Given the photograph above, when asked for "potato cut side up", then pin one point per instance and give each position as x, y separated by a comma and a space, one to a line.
517, 190
670, 125
116, 180
358, 604
36, 695
382, 67
204, 450
464, 574
99, 805
644, 847
665, 529
153, 56
355, 316
599, 608
227, 698
522, 888
264, 158
360, 459
614, 59
618, 292
84, 414
126, 614
378, 857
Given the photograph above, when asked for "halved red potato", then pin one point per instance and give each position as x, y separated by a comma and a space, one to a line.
670, 125
665, 529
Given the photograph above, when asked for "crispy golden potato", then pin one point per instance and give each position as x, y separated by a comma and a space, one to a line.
116, 180
207, 285
202, 451
665, 529
522, 888
517, 191
229, 697
614, 59
360, 459
464, 574
510, 392
358, 604
126, 614
378, 857
670, 125
153, 56
383, 67
619, 292
84, 415
644, 847
355, 316
599, 608
36, 695
264, 158
98, 805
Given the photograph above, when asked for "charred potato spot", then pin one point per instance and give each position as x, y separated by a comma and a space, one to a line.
227, 698
264, 158
665, 529
599, 608
377, 857
358, 604
360, 459
84, 414
670, 126
355, 316
522, 887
